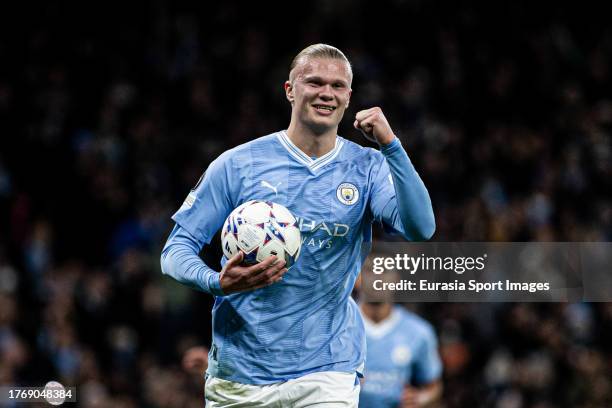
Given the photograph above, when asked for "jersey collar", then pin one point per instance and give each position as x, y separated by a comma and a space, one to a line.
380, 329
303, 158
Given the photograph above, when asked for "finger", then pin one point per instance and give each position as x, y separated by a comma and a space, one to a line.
275, 271
361, 115
261, 267
366, 125
271, 280
368, 135
235, 260
368, 120
278, 276
268, 273
267, 276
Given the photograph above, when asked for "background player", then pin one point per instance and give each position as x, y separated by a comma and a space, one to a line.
299, 342
403, 367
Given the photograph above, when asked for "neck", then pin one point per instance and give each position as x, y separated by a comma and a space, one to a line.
310, 142
377, 312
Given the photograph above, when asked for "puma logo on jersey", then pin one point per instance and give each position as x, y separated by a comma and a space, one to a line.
270, 186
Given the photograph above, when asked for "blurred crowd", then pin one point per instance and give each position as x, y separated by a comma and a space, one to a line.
109, 115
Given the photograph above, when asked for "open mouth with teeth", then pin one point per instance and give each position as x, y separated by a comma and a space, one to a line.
324, 109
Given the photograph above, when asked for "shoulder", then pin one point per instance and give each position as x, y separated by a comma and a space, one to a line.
262, 141
244, 151
354, 151
416, 324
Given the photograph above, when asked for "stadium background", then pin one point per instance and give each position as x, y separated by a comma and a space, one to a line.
110, 113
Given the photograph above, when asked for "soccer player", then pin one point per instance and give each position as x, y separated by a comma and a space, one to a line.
403, 366
297, 338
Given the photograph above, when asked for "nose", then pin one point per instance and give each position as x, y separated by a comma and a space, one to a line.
326, 93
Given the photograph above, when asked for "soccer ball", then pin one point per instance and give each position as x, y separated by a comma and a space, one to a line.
260, 229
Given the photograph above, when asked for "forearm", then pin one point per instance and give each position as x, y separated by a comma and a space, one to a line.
429, 394
421, 396
413, 205
180, 260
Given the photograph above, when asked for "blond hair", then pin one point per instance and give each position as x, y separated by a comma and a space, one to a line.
319, 51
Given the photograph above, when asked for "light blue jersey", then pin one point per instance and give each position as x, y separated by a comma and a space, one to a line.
402, 350
307, 322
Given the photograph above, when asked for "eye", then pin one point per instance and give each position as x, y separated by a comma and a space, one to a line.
338, 85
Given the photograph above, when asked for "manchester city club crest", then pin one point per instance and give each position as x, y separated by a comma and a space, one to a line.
401, 355
347, 193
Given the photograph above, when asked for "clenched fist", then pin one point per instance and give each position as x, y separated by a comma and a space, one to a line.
374, 126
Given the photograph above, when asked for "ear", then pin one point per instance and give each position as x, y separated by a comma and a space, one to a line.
289, 91
349, 99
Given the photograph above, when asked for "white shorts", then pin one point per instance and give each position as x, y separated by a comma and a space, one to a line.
329, 389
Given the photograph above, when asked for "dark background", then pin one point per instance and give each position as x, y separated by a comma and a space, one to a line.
109, 113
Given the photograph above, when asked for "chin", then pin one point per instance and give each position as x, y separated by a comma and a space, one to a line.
322, 125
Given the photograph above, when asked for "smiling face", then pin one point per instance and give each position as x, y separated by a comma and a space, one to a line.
319, 90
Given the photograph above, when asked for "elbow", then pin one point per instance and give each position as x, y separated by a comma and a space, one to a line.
425, 235
429, 229
428, 226
164, 261
425, 230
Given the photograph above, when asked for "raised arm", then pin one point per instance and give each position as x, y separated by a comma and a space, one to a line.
400, 198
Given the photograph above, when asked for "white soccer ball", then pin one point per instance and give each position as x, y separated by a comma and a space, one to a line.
260, 229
